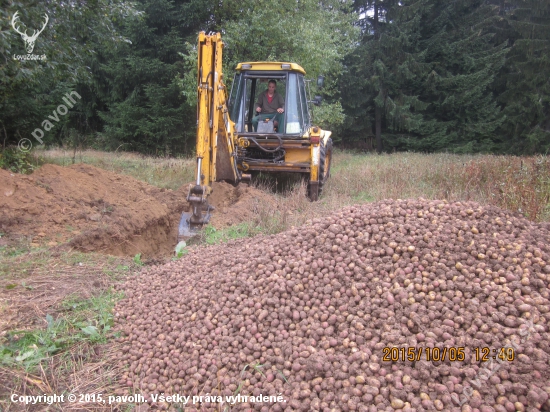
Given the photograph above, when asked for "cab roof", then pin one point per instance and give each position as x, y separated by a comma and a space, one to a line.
270, 66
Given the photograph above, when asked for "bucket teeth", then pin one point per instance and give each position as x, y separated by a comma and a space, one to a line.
186, 230
191, 223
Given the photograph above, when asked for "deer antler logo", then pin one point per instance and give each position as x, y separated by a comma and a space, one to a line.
29, 41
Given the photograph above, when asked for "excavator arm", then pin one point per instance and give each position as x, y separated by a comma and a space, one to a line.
216, 154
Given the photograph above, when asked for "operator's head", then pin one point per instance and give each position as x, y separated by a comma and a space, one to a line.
272, 86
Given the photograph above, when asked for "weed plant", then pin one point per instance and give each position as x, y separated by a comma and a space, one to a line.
87, 320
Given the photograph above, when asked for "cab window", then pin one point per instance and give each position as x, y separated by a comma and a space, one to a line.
303, 98
294, 113
245, 92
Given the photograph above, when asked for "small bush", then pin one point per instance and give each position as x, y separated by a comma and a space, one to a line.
18, 161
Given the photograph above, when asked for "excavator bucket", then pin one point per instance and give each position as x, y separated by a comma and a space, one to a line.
191, 222
186, 229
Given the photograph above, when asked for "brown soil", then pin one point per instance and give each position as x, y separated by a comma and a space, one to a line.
235, 204
91, 209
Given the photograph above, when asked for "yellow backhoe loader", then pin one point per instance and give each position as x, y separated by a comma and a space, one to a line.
231, 144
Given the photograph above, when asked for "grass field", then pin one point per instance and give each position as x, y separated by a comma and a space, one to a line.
56, 308
519, 184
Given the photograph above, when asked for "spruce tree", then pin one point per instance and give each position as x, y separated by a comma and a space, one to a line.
143, 107
463, 114
30, 90
525, 81
382, 72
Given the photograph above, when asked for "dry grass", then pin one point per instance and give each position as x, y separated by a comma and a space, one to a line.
23, 302
85, 369
168, 173
512, 183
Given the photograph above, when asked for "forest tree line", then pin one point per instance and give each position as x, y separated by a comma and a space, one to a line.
424, 75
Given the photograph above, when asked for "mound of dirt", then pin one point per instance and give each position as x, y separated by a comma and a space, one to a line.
234, 205
91, 209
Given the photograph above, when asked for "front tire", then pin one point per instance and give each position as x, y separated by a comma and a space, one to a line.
314, 189
325, 160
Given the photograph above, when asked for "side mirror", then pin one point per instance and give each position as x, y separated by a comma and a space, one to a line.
320, 81
317, 101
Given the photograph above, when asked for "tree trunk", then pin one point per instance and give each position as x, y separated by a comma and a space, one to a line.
377, 110
375, 22
378, 127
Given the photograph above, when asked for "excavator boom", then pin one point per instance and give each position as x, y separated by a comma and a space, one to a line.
215, 132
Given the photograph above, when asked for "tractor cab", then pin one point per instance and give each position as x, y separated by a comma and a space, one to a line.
295, 146
251, 80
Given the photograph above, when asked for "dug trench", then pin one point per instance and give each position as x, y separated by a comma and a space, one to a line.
85, 208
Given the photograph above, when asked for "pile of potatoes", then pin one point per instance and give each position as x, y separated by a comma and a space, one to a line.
309, 313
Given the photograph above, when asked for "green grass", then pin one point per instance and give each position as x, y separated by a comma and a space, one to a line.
113, 273
82, 320
213, 236
363, 197
13, 259
12, 251
137, 260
